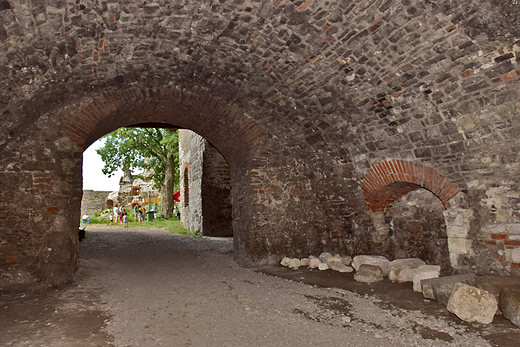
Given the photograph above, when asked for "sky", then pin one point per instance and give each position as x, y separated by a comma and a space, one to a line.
93, 177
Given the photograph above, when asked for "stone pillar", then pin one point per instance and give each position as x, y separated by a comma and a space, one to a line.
191, 149
41, 206
382, 229
457, 228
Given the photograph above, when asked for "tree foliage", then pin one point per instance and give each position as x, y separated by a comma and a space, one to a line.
147, 149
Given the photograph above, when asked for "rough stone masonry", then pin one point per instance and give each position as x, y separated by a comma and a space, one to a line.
326, 111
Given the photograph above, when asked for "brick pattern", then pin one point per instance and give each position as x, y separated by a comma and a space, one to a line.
310, 94
92, 119
387, 181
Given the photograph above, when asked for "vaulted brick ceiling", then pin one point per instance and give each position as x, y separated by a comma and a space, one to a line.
347, 78
322, 108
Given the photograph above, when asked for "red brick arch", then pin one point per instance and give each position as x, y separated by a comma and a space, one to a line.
209, 116
389, 180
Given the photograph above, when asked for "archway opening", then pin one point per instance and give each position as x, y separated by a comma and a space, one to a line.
211, 190
417, 228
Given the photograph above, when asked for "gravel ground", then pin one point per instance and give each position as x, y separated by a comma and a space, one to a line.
146, 287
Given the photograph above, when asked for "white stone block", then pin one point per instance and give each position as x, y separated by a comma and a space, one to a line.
510, 304
454, 260
294, 263
334, 259
314, 263
304, 261
324, 256
346, 260
402, 270
368, 274
285, 261
493, 228
340, 267
453, 218
323, 266
457, 245
404, 275
513, 228
375, 260
472, 304
508, 253
457, 230
515, 255
424, 272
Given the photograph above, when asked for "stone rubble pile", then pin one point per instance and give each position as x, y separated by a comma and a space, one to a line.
324, 262
475, 299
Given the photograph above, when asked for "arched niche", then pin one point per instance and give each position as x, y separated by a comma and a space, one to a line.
412, 213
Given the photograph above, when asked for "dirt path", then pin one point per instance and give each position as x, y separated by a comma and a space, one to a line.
150, 288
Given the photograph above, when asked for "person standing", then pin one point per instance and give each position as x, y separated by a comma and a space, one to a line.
140, 215
125, 220
115, 212
154, 210
135, 213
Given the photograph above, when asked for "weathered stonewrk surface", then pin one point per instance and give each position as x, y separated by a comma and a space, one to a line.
93, 200
205, 187
472, 304
216, 194
418, 229
510, 304
326, 112
191, 151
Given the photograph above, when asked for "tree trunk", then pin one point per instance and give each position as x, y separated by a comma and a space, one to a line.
169, 184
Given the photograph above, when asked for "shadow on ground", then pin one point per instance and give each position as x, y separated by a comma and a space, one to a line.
501, 333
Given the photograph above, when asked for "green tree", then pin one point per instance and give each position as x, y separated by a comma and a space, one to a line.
145, 148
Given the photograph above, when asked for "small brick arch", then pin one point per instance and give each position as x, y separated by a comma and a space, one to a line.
389, 180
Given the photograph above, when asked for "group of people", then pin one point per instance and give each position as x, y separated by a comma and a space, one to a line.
139, 213
120, 215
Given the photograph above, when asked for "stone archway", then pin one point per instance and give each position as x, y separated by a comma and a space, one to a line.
300, 97
385, 186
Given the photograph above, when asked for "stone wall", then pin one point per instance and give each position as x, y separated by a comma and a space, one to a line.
93, 201
206, 205
191, 153
216, 194
326, 111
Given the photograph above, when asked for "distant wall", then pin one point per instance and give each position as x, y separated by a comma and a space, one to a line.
205, 187
93, 201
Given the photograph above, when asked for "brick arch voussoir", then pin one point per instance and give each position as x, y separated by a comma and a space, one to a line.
380, 176
218, 114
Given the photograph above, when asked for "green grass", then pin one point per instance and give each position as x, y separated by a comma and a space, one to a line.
173, 225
